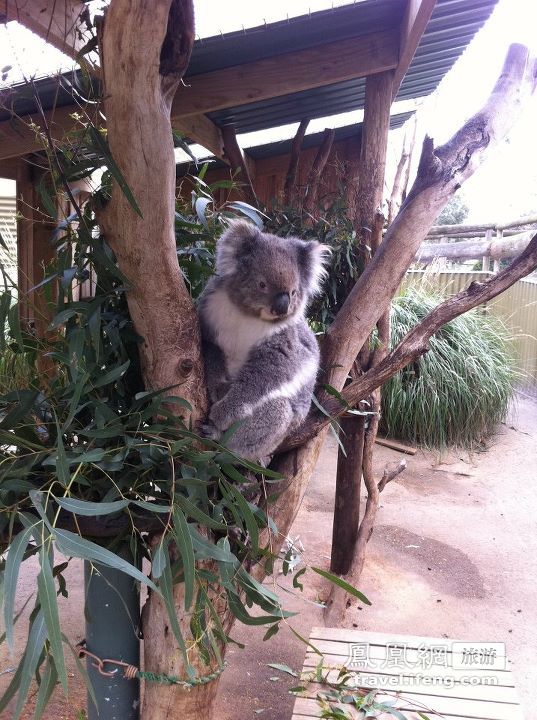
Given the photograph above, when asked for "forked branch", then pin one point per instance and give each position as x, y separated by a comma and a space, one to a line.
416, 343
441, 172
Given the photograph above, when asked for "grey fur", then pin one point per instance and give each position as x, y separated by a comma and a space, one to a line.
261, 358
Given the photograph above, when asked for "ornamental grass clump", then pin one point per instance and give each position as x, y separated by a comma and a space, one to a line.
460, 390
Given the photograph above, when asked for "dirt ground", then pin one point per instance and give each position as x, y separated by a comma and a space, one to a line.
453, 555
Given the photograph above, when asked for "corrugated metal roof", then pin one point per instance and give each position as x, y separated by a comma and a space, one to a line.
452, 26
283, 147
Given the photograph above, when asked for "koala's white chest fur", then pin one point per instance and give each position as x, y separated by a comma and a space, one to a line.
235, 333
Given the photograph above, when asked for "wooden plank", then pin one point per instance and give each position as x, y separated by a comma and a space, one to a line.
288, 73
59, 22
457, 693
351, 635
432, 684
416, 18
428, 704
500, 678
414, 655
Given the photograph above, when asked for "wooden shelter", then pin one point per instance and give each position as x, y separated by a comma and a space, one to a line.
362, 55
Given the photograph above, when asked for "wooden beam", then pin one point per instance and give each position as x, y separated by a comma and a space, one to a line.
59, 22
288, 73
17, 138
417, 16
203, 131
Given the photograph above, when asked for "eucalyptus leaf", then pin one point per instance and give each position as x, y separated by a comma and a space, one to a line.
46, 591
72, 545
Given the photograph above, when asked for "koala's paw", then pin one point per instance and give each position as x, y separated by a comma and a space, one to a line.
219, 415
209, 430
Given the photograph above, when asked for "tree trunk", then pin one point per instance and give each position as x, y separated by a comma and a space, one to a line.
141, 71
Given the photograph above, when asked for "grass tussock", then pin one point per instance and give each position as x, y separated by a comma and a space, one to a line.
460, 390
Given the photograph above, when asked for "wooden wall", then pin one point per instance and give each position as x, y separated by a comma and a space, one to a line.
269, 173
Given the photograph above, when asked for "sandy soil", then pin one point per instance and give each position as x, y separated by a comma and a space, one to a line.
453, 555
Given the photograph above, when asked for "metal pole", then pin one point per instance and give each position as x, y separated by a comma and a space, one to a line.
112, 631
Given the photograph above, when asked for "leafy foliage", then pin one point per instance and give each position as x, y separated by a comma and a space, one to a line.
84, 448
460, 390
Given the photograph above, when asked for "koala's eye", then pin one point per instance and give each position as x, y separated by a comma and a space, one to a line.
293, 292
262, 285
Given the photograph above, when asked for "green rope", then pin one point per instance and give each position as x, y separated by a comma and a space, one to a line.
172, 680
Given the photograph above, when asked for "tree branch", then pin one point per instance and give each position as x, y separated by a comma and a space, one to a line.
289, 190
236, 159
416, 342
441, 173
314, 177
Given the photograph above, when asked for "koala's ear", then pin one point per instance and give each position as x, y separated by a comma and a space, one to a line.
232, 244
314, 259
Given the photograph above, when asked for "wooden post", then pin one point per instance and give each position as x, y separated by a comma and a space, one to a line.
486, 258
376, 125
34, 245
499, 238
347, 503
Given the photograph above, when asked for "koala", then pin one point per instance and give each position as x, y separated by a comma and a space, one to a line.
261, 358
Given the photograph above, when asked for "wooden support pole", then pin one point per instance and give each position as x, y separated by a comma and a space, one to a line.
347, 502
34, 246
376, 125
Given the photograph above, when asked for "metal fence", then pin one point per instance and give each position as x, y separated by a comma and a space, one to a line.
517, 307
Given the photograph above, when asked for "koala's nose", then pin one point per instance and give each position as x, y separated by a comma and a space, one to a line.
280, 303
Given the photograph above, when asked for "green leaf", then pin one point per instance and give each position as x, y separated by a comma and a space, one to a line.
342, 584
112, 375
204, 549
13, 686
73, 545
247, 515
82, 670
46, 688
102, 146
249, 211
273, 629
238, 609
283, 668
13, 562
91, 509
34, 648
183, 540
15, 325
62, 466
46, 590
298, 574
200, 207
192, 511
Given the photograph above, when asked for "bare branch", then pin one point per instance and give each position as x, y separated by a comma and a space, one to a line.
237, 161
440, 174
416, 342
289, 190
314, 177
